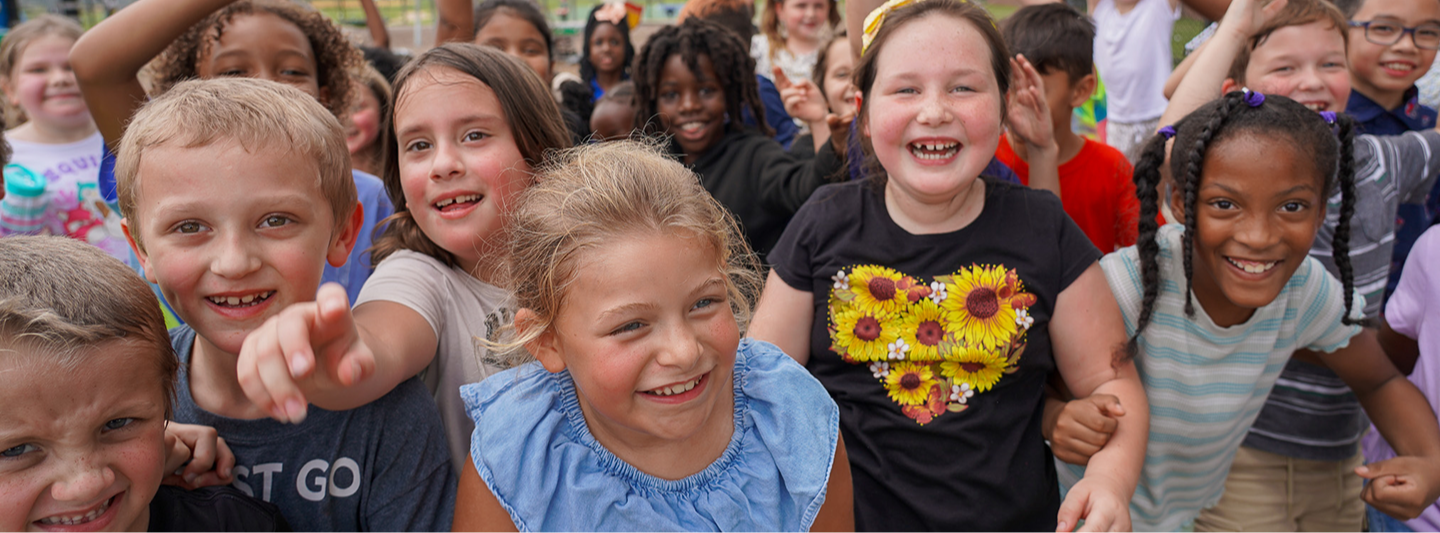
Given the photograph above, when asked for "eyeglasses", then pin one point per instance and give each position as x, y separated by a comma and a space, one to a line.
1426, 36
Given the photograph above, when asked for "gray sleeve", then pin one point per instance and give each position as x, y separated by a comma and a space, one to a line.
413, 488
1414, 161
409, 280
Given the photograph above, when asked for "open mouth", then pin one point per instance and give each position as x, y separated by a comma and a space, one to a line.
934, 151
249, 300
677, 388
458, 202
1317, 106
79, 519
1252, 267
1398, 66
691, 127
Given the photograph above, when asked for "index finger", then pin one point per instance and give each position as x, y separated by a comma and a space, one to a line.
781, 80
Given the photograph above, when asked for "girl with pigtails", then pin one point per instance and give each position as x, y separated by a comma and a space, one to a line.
1216, 306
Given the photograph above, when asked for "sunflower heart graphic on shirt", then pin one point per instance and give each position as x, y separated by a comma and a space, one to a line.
931, 346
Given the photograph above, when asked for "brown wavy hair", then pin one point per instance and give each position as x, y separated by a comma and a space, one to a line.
534, 120
335, 57
18, 39
770, 24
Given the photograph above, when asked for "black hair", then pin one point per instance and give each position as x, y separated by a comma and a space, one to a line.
1230, 116
734, 70
524, 9
587, 70
386, 62
1053, 37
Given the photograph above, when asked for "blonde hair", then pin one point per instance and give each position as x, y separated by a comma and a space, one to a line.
594, 194
15, 42
770, 24
59, 297
258, 114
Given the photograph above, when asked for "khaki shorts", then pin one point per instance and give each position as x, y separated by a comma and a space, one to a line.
1270, 492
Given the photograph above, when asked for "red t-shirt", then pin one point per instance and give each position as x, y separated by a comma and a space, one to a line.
1097, 189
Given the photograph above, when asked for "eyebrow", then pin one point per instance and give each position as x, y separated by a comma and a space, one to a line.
482, 118
1285, 192
622, 309
189, 206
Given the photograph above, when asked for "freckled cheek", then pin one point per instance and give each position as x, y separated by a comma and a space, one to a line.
610, 373
21, 494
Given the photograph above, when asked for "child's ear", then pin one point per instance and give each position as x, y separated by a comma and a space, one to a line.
1177, 204
345, 236
139, 252
1229, 85
1081, 90
545, 347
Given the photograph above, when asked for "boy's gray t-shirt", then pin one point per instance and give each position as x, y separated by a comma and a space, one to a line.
379, 467
461, 310
1311, 414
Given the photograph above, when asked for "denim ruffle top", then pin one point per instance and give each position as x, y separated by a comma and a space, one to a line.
535, 453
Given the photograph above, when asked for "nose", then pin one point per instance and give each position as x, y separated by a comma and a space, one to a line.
235, 258
86, 479
933, 111
681, 348
1257, 232
1309, 80
689, 101
446, 162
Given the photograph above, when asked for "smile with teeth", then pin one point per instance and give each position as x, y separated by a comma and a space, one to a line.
1398, 66
1317, 106
672, 390
1253, 267
690, 127
934, 151
462, 199
240, 301
78, 519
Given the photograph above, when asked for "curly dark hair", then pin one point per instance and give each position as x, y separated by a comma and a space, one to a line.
734, 70
587, 70
335, 57
1230, 116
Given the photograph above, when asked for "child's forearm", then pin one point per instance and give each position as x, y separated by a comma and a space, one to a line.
376, 24
1121, 458
107, 58
1044, 164
1202, 81
1404, 417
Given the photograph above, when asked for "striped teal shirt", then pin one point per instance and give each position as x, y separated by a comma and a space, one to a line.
1206, 383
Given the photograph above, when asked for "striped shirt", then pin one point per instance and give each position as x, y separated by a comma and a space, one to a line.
1312, 414
1205, 383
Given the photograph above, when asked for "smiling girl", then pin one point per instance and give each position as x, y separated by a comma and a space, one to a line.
644, 410
933, 326
607, 53
791, 34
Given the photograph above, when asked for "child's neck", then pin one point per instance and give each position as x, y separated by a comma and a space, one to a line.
1388, 100
606, 80
800, 46
921, 217
35, 132
664, 458
214, 385
1070, 144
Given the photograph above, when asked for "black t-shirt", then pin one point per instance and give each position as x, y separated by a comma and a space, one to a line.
222, 508
947, 438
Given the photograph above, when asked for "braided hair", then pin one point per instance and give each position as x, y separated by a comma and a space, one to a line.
1217, 121
734, 70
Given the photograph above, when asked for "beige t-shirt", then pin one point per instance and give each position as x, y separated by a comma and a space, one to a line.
461, 309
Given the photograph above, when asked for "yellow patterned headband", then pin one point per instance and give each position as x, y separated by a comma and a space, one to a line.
876, 19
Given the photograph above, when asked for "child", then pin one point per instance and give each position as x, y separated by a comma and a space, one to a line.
1094, 178
1409, 338
1311, 424
366, 133
933, 326
607, 52
57, 140
833, 68
736, 16
89, 455
232, 237
791, 34
689, 80
1132, 52
643, 410
614, 116
1217, 306
472, 122
269, 39
518, 28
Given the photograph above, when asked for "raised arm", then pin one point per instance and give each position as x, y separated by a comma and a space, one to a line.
376, 24
107, 58
456, 22
1088, 337
1202, 83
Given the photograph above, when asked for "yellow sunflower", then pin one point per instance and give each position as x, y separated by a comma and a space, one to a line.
978, 302
876, 288
980, 369
865, 336
924, 328
909, 383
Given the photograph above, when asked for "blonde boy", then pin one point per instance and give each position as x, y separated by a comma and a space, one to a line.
87, 377
236, 193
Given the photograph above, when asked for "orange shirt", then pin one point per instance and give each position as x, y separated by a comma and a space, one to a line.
1097, 192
